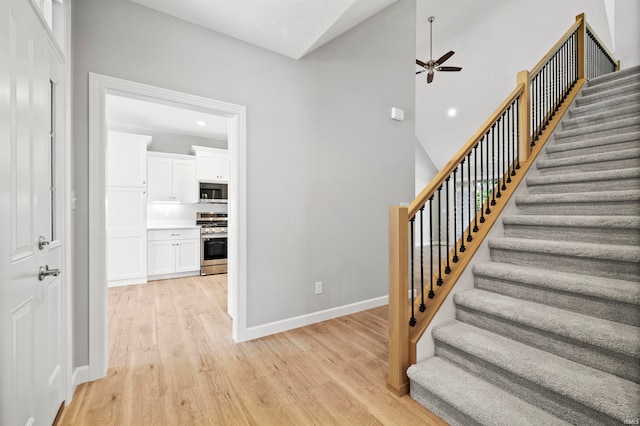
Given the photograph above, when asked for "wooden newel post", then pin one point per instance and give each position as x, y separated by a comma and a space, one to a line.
524, 114
582, 33
398, 382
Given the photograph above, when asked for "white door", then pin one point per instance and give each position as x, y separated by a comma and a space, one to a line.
30, 308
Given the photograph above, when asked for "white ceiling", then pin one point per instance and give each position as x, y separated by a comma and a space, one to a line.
290, 27
140, 114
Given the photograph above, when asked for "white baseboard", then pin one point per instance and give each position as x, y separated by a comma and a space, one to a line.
314, 317
130, 281
80, 375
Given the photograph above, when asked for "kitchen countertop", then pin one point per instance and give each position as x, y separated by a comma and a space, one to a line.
152, 226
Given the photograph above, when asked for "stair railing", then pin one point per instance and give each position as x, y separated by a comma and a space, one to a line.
432, 240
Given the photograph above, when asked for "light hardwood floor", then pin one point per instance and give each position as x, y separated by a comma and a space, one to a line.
172, 362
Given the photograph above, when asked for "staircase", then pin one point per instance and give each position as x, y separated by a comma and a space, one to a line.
551, 332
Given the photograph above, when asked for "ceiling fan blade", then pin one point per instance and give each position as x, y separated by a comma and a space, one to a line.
422, 64
449, 69
445, 57
430, 77
420, 72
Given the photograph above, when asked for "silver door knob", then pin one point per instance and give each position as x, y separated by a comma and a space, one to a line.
45, 272
42, 242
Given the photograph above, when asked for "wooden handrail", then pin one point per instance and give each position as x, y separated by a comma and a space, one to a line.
442, 175
556, 46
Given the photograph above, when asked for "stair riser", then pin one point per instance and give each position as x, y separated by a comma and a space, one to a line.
576, 234
605, 360
564, 263
596, 149
597, 307
619, 208
584, 134
438, 406
552, 402
608, 94
591, 186
588, 165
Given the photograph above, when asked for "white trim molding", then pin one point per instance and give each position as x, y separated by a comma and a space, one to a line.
314, 317
99, 87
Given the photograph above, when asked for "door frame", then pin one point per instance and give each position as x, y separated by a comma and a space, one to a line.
99, 87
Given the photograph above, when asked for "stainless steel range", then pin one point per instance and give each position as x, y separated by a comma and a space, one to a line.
213, 240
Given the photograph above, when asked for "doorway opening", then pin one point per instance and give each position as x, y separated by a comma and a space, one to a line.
101, 88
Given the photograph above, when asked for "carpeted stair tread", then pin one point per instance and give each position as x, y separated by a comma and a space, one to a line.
614, 76
600, 333
616, 102
625, 111
579, 160
616, 174
474, 397
607, 141
563, 248
616, 222
621, 80
604, 393
616, 91
580, 197
603, 288
591, 129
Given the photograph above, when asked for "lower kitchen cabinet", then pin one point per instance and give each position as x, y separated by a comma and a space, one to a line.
173, 253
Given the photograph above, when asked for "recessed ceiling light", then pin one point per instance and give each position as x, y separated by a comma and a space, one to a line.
452, 112
201, 123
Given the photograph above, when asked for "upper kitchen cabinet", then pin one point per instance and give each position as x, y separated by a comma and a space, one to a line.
171, 178
212, 164
127, 159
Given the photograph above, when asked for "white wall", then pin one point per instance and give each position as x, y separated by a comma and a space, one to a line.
324, 159
493, 41
627, 32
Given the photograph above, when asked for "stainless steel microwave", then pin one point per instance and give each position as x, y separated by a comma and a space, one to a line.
213, 192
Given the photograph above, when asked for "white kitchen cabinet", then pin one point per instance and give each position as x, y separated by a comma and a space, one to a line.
172, 178
173, 253
212, 164
126, 214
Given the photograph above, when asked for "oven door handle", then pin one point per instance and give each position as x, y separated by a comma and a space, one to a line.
213, 237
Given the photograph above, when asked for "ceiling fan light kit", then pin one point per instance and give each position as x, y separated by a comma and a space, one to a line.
431, 66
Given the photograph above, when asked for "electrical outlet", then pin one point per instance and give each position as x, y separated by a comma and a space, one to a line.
319, 287
415, 293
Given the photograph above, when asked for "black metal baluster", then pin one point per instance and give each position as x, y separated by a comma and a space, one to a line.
439, 282
501, 170
469, 237
412, 320
514, 141
475, 187
462, 247
447, 269
431, 292
510, 142
482, 181
517, 139
422, 305
455, 205
493, 166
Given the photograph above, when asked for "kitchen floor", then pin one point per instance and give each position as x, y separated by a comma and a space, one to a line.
173, 362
